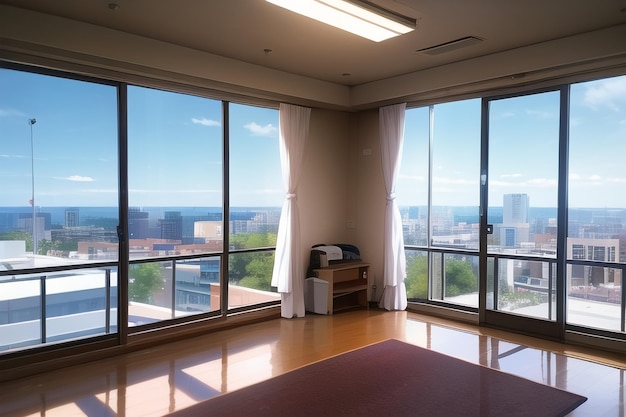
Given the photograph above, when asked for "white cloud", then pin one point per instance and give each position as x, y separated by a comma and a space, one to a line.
78, 178
206, 122
510, 176
609, 93
258, 130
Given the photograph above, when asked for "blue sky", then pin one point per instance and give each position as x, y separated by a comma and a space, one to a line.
174, 146
523, 149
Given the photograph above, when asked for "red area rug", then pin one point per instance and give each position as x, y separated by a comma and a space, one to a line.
391, 378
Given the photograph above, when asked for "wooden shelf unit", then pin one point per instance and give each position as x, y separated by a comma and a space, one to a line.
347, 285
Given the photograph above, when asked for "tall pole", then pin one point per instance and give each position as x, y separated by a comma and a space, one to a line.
32, 172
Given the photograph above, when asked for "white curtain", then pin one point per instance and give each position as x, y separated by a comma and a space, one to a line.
391, 120
288, 274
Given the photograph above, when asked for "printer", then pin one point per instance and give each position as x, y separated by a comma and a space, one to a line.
325, 255
328, 254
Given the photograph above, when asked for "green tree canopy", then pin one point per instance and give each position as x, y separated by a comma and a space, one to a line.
19, 235
460, 277
144, 279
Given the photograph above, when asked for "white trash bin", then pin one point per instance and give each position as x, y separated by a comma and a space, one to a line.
316, 295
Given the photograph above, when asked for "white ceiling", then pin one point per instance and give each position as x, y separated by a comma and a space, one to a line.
243, 29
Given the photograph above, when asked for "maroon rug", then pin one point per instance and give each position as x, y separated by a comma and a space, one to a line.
391, 378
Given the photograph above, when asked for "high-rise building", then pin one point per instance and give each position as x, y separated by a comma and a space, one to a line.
515, 209
72, 218
515, 228
172, 225
138, 223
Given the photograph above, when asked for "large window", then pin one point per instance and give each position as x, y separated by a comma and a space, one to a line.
523, 178
58, 209
597, 208
64, 175
256, 196
175, 203
438, 192
536, 173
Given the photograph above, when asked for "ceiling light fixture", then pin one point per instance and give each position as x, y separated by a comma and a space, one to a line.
360, 17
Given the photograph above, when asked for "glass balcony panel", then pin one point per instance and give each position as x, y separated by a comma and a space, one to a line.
417, 274
150, 287
197, 286
527, 288
20, 312
249, 279
461, 279
593, 303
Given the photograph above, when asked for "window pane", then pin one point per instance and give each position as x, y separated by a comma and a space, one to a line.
412, 182
597, 209
59, 167
59, 207
523, 174
455, 172
174, 174
256, 197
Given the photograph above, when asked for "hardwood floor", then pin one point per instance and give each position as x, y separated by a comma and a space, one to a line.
159, 380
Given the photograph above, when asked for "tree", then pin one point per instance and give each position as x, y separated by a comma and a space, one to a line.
19, 235
460, 278
416, 281
144, 280
259, 272
253, 270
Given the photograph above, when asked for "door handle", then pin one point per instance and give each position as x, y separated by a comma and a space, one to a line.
490, 229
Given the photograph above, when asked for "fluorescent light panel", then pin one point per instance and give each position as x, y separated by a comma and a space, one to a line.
358, 17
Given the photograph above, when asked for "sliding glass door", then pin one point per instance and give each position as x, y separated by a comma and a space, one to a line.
547, 241
521, 199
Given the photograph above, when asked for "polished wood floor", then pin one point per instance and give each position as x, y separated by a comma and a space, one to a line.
156, 381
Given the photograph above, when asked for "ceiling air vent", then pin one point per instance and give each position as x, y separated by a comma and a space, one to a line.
450, 46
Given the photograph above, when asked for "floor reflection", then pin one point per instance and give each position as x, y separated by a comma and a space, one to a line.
166, 378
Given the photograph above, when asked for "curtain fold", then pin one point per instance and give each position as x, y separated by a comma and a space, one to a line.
391, 119
288, 273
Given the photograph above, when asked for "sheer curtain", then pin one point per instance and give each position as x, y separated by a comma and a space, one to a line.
288, 274
391, 120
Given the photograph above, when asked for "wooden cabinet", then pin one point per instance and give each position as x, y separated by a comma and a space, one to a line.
347, 285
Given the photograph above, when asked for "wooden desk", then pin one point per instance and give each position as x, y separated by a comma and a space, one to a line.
347, 285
